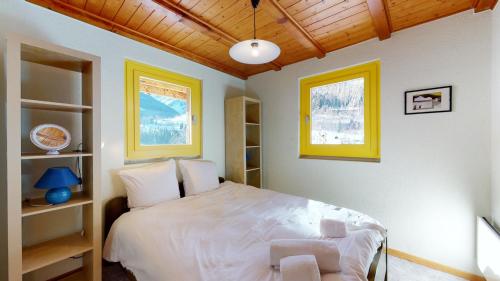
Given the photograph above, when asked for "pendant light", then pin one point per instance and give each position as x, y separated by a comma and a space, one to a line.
254, 51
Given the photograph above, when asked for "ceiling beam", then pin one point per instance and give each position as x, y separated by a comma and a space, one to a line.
292, 26
88, 17
483, 5
197, 23
380, 18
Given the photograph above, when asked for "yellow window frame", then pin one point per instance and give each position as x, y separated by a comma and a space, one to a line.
134, 149
370, 150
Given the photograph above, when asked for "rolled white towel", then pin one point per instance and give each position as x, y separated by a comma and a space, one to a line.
326, 252
332, 228
299, 268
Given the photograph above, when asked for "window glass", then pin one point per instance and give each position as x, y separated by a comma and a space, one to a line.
337, 113
164, 113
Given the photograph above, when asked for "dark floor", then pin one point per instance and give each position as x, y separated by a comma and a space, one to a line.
113, 272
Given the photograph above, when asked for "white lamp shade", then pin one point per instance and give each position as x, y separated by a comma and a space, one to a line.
250, 53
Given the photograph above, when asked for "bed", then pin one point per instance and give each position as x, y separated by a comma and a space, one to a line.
225, 234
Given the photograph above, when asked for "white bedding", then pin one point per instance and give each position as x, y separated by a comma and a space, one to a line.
224, 235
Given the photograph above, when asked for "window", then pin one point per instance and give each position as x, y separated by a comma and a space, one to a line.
339, 114
163, 113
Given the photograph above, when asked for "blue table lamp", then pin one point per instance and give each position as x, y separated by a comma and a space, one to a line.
57, 180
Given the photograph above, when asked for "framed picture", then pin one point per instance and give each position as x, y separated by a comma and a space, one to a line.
428, 100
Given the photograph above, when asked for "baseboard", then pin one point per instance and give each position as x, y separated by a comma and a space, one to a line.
435, 265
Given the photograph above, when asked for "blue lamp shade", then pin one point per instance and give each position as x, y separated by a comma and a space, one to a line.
57, 180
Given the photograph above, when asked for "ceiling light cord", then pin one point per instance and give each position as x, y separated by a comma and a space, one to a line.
255, 4
254, 29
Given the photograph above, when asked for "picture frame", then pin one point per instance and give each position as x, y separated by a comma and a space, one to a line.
163, 113
430, 100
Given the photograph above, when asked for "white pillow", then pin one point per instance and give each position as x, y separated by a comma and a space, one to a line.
198, 176
152, 184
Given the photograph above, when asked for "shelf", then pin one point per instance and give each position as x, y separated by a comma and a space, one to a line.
249, 100
50, 252
252, 124
54, 106
250, 168
77, 199
253, 146
43, 155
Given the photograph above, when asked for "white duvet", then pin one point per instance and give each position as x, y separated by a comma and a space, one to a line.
224, 235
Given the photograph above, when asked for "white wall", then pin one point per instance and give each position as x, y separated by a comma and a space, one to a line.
33, 21
495, 117
434, 175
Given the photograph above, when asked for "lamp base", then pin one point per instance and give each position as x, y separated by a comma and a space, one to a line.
58, 195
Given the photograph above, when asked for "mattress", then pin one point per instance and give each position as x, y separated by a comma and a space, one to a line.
225, 235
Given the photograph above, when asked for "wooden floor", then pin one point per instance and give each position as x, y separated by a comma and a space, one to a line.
403, 270
113, 272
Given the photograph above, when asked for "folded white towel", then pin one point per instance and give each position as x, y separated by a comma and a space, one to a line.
332, 228
326, 252
299, 268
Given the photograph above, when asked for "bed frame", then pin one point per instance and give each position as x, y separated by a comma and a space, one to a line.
118, 206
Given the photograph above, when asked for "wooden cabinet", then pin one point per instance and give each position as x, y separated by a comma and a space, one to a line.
243, 140
52, 84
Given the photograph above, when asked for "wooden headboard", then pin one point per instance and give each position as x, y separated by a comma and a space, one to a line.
118, 206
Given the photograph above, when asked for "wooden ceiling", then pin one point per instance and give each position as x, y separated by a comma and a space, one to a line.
204, 30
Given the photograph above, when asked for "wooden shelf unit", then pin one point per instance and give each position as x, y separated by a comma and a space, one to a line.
68, 63
243, 140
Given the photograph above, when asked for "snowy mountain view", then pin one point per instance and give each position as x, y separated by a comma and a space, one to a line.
163, 120
337, 113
